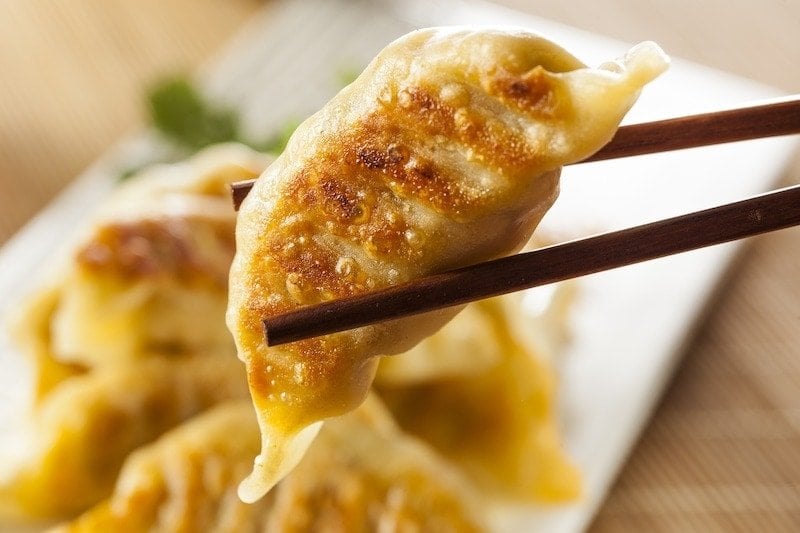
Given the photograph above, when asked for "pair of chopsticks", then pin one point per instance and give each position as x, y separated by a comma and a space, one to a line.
759, 214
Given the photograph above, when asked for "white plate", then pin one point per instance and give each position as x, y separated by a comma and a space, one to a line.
630, 324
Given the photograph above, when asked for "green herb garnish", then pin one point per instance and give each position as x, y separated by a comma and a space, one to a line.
182, 114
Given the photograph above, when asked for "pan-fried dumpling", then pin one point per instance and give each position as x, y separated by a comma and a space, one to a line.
85, 428
362, 474
498, 424
469, 344
446, 151
149, 276
186, 481
152, 272
129, 339
464, 347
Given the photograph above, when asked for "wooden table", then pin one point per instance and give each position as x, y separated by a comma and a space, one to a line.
723, 449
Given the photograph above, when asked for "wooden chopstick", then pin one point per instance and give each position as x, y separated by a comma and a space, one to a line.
770, 119
759, 214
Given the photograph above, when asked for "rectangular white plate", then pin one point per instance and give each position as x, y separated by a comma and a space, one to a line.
629, 324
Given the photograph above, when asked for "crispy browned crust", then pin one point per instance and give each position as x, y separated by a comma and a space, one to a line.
185, 249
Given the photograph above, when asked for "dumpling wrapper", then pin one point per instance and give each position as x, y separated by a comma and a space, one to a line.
185, 481
128, 338
498, 423
468, 345
84, 429
362, 474
151, 272
446, 151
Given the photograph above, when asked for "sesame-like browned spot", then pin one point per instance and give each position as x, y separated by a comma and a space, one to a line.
429, 109
376, 158
531, 92
322, 196
424, 181
187, 249
341, 200
310, 268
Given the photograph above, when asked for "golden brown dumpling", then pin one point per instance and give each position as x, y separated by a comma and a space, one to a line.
84, 429
446, 151
469, 345
151, 274
362, 474
186, 481
499, 423
128, 339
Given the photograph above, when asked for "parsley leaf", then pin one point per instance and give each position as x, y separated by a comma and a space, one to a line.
182, 114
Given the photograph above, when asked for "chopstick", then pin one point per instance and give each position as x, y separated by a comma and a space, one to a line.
771, 119
774, 118
759, 214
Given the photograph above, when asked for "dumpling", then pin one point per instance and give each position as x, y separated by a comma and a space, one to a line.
83, 430
186, 481
151, 274
464, 347
362, 474
129, 338
446, 151
499, 423
148, 276
469, 345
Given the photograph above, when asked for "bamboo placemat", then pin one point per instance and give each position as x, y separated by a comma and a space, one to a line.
722, 451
